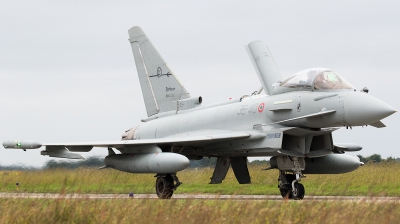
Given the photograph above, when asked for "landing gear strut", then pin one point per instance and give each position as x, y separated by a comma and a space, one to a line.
289, 185
166, 184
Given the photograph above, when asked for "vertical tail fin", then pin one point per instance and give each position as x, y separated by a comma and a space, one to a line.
264, 64
160, 87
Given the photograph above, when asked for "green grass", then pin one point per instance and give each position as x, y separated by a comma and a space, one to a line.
194, 211
370, 180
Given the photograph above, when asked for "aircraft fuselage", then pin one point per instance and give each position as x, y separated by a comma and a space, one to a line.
266, 115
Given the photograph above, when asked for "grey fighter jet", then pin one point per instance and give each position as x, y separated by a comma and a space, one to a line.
293, 123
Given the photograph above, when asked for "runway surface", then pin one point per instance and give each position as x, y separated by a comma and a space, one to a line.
196, 196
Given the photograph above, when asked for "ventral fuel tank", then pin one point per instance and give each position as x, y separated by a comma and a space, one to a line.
163, 162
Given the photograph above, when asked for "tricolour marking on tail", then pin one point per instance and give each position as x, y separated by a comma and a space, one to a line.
160, 87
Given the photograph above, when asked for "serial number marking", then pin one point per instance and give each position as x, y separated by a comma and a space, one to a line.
273, 135
252, 109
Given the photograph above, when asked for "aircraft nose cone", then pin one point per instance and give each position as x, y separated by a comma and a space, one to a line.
363, 109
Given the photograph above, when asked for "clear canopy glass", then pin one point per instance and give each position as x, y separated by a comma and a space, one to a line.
317, 78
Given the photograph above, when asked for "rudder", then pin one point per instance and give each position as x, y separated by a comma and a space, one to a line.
160, 87
266, 69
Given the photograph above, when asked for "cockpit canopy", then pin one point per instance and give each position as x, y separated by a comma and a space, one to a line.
317, 79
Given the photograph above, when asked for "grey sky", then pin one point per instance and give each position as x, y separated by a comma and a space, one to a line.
68, 74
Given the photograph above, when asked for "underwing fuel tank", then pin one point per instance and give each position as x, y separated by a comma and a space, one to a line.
330, 164
164, 162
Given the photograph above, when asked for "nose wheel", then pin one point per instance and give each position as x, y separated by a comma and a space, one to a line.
298, 191
289, 186
285, 186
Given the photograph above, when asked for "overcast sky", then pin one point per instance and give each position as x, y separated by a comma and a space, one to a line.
68, 74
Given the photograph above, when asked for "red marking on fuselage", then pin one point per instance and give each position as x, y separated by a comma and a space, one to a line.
261, 107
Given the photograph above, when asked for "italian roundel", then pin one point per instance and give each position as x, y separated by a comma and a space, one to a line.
261, 107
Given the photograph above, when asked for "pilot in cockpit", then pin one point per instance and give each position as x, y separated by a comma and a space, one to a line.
320, 82
326, 80
316, 79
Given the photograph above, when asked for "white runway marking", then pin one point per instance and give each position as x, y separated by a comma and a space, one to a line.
197, 196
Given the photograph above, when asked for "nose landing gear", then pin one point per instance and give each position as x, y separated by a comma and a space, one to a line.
298, 191
289, 187
288, 184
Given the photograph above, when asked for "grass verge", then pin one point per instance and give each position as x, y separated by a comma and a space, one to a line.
370, 180
194, 211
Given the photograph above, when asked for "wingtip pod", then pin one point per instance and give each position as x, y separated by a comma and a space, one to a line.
21, 144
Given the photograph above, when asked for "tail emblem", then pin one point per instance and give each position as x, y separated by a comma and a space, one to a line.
159, 73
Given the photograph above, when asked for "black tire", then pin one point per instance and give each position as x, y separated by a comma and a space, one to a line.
164, 187
299, 191
286, 191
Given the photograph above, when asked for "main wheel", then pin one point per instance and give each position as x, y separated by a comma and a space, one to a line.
298, 191
286, 191
164, 187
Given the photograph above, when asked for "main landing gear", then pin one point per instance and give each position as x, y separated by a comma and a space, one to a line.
289, 185
166, 184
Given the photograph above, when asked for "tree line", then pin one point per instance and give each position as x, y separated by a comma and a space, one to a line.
376, 158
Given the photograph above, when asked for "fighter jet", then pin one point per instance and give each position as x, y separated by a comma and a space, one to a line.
292, 123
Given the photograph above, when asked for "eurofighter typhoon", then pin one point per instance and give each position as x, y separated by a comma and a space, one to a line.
292, 123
